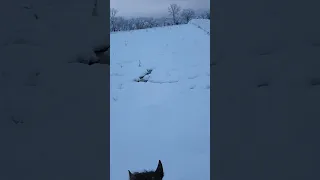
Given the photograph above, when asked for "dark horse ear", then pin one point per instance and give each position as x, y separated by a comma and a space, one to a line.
131, 176
160, 169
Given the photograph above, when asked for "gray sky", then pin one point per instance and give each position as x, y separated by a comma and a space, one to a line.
154, 7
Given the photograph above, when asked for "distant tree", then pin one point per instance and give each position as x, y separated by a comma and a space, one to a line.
113, 13
120, 24
205, 15
187, 14
174, 11
139, 23
208, 14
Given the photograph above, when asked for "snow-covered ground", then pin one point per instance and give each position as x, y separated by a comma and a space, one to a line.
165, 116
53, 113
203, 24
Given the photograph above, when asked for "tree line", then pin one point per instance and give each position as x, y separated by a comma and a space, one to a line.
176, 16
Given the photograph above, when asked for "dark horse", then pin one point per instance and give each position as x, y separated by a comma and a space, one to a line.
148, 175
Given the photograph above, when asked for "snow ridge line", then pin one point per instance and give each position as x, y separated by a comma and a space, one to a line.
201, 28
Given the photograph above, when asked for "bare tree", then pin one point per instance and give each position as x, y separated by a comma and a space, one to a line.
113, 13
174, 11
205, 15
208, 14
187, 14
120, 24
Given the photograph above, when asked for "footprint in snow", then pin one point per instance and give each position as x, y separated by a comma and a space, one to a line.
120, 86
193, 77
192, 86
115, 98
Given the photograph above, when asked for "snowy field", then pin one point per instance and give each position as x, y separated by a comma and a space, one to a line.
53, 111
160, 101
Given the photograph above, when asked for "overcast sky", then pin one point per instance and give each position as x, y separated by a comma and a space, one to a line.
154, 7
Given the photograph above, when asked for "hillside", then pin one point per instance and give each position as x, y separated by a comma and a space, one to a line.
166, 114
